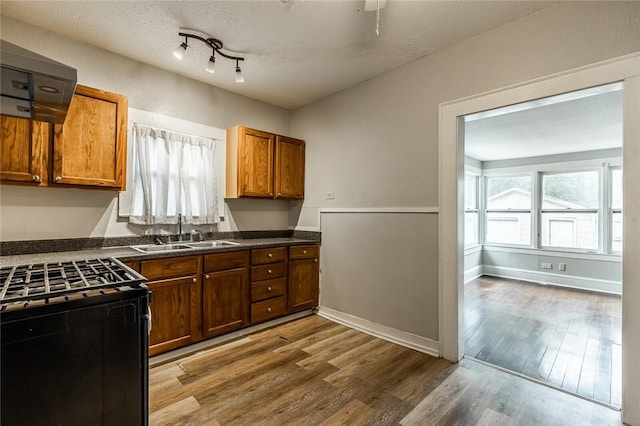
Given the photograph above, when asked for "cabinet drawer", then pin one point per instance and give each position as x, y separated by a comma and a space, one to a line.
268, 255
267, 289
169, 268
224, 261
266, 272
267, 309
303, 252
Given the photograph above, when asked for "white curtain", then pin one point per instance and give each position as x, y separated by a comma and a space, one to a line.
173, 173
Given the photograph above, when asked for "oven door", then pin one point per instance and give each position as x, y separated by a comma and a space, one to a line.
83, 366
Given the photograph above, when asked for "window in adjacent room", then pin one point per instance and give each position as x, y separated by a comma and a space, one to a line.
508, 211
471, 210
616, 210
570, 210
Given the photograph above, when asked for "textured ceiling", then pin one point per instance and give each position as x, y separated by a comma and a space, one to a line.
580, 121
296, 51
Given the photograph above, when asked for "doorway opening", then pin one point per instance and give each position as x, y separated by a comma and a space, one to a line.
543, 240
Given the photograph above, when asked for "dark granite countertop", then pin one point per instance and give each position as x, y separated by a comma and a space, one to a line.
127, 253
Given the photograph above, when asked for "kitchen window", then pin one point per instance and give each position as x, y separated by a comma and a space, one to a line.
174, 174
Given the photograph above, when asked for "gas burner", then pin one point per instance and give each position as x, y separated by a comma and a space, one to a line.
29, 283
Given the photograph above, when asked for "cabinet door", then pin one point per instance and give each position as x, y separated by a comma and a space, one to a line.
23, 150
255, 163
174, 313
90, 147
303, 284
289, 172
225, 300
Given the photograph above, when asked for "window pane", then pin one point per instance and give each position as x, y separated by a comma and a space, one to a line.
616, 232
509, 193
570, 230
471, 192
616, 189
470, 228
570, 190
509, 228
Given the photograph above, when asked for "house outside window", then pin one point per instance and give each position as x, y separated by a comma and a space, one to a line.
508, 219
570, 209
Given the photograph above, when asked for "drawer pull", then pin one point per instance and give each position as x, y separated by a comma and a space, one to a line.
268, 309
206, 277
268, 288
269, 255
269, 271
195, 280
304, 252
315, 260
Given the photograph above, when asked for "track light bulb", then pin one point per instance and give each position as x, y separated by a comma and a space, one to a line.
211, 65
179, 51
239, 77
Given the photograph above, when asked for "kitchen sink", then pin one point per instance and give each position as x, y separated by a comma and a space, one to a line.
211, 244
157, 248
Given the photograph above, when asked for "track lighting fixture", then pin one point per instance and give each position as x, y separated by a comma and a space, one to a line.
216, 46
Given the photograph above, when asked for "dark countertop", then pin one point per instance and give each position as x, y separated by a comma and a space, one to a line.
126, 253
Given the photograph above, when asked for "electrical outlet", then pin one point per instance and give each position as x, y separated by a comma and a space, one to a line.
330, 195
547, 266
562, 266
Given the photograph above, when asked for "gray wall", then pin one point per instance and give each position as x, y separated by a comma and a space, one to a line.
376, 144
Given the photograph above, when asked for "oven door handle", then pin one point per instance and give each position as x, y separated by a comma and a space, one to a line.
149, 319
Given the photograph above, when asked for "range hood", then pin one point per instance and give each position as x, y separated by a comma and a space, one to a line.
33, 86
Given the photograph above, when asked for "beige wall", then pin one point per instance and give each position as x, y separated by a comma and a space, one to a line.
43, 213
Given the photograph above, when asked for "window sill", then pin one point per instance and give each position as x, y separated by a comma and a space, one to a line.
555, 253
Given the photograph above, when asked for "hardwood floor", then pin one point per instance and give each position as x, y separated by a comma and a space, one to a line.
315, 372
564, 337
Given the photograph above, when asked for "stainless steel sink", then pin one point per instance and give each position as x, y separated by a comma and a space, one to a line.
157, 248
211, 244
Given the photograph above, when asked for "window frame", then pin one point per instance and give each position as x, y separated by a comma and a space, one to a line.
610, 209
477, 210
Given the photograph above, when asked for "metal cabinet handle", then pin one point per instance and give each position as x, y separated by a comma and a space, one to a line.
35, 178
279, 194
206, 277
58, 179
304, 252
195, 280
269, 255
271, 194
268, 288
268, 309
269, 271
315, 260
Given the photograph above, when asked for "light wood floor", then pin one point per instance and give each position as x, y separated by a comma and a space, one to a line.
567, 338
313, 371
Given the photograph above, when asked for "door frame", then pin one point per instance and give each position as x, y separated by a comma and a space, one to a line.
451, 203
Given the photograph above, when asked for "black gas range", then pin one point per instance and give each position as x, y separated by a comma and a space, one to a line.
74, 344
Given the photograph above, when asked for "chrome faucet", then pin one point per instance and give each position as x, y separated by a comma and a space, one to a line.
196, 235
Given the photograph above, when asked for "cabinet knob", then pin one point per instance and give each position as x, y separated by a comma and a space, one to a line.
268, 309
58, 179
304, 252
268, 288
195, 280
315, 260
268, 271
35, 178
271, 194
279, 194
269, 255
206, 277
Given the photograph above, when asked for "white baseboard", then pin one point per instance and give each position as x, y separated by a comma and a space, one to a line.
473, 273
603, 286
402, 338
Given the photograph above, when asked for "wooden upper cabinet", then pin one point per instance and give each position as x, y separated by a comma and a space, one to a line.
90, 147
289, 168
264, 165
23, 151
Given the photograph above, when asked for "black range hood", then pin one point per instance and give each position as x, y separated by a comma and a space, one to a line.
33, 86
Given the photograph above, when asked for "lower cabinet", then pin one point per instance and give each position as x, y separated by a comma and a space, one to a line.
175, 301
197, 297
225, 291
303, 277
